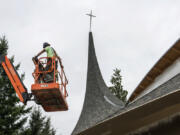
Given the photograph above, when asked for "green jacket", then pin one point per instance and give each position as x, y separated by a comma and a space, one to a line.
50, 51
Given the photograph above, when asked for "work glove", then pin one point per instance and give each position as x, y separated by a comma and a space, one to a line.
34, 58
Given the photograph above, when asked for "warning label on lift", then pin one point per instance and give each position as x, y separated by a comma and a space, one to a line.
44, 85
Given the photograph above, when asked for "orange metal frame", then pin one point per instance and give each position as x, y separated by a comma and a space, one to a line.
14, 79
61, 73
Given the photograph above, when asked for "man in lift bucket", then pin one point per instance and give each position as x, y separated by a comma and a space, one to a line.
50, 54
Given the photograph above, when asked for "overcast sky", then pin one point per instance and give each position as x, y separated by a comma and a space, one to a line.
128, 34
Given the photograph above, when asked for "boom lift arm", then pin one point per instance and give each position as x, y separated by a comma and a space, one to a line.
16, 82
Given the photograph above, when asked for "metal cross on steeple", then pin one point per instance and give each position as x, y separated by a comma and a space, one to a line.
90, 15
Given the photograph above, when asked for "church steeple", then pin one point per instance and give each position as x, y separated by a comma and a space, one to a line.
99, 103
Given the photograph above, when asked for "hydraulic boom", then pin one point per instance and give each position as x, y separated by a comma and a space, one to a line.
13, 76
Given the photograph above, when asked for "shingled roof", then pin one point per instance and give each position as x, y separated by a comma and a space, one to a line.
99, 103
162, 102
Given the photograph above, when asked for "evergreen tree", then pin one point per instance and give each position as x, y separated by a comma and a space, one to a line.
12, 114
117, 87
48, 130
38, 124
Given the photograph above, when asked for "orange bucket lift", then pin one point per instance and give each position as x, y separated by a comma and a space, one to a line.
46, 89
49, 88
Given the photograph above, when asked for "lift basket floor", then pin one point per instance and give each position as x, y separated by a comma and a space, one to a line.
49, 96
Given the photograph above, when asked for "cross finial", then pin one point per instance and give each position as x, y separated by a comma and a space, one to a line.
90, 15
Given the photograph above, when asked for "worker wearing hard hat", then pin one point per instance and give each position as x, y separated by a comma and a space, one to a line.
50, 54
